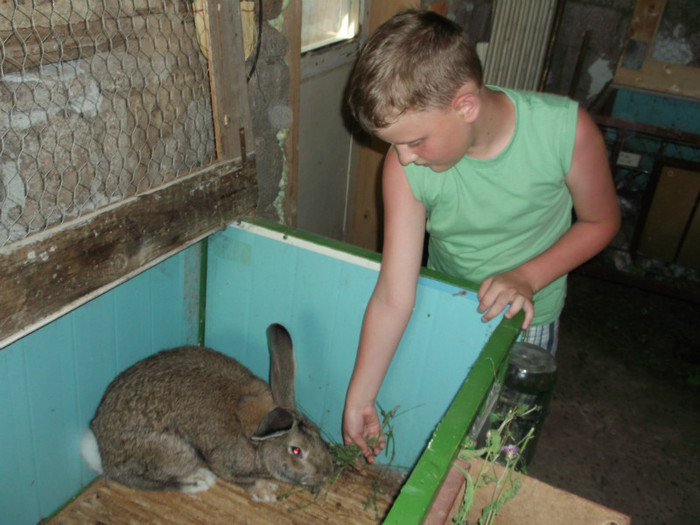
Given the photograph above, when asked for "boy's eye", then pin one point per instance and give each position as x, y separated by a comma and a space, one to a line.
415, 143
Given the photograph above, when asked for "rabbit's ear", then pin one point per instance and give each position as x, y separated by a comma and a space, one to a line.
276, 423
282, 365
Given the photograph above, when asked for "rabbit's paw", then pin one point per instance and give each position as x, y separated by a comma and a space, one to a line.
200, 481
263, 491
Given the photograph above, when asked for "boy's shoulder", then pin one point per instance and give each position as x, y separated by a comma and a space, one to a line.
538, 112
537, 98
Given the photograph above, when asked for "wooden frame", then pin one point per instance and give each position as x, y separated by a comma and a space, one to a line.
50, 273
227, 78
636, 68
368, 216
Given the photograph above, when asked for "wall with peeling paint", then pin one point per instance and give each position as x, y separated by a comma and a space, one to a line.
269, 91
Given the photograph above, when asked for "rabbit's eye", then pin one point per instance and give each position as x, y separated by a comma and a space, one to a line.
296, 451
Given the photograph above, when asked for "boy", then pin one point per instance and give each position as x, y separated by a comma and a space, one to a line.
491, 173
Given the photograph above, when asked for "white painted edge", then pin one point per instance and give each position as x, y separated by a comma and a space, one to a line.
340, 255
307, 245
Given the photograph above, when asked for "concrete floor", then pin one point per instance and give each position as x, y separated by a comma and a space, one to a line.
623, 428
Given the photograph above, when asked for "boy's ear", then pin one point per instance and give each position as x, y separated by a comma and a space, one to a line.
467, 104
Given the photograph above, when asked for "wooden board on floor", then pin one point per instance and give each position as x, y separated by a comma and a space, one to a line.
352, 498
535, 502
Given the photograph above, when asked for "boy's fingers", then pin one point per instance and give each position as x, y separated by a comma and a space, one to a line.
529, 315
526, 306
362, 445
485, 284
367, 452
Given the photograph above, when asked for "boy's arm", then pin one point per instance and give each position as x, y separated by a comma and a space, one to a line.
597, 221
390, 306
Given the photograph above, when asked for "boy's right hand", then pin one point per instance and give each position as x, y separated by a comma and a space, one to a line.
360, 426
508, 289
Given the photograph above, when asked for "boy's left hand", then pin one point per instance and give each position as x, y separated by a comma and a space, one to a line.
499, 291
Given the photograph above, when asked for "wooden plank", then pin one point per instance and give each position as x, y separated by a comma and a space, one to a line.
671, 210
646, 20
682, 81
291, 29
669, 134
637, 70
367, 216
24, 15
689, 254
43, 46
44, 34
358, 497
228, 83
50, 273
534, 503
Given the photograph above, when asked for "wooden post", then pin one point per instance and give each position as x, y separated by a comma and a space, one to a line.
368, 216
292, 31
227, 74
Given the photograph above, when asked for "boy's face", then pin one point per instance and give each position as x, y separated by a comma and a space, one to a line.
437, 138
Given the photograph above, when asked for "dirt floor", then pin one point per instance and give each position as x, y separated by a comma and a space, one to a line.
623, 428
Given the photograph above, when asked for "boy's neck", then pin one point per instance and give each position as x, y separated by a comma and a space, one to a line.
495, 125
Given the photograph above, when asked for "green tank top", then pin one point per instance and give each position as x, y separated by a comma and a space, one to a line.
489, 216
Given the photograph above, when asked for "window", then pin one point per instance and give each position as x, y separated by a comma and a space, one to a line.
328, 21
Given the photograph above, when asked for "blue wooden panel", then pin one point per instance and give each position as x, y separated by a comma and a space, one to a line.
133, 322
95, 350
659, 110
51, 382
19, 499
51, 378
258, 276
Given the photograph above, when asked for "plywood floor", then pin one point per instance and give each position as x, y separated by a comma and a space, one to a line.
352, 498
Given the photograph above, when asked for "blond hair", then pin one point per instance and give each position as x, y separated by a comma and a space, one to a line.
414, 61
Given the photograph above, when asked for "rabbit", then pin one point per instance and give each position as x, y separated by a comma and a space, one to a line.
182, 417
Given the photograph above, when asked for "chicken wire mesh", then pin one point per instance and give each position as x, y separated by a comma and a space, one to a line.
99, 101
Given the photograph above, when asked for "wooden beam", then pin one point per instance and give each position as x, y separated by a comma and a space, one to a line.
51, 273
637, 69
368, 215
43, 46
292, 31
658, 132
228, 80
46, 33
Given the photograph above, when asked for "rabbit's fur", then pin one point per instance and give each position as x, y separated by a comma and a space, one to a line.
165, 416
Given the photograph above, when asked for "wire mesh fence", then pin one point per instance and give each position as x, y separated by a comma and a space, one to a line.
99, 100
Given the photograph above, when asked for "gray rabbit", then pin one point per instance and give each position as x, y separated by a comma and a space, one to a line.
161, 420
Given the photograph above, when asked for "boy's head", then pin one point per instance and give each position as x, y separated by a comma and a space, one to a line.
416, 60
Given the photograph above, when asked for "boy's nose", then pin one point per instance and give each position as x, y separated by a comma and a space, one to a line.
406, 156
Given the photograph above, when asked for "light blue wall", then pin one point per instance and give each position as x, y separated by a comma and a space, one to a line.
254, 280
51, 381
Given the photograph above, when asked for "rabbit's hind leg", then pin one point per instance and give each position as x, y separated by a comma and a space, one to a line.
161, 462
200, 481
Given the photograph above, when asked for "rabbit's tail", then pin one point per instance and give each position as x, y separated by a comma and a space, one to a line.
90, 452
